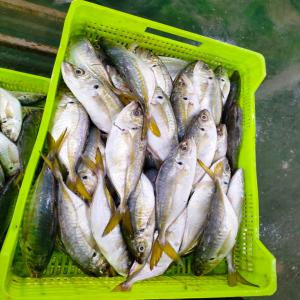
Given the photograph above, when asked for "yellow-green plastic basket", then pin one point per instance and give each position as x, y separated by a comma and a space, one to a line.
18, 81
62, 279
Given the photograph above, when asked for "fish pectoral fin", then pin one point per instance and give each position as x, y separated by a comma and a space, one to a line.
156, 254
235, 277
153, 127
89, 163
113, 222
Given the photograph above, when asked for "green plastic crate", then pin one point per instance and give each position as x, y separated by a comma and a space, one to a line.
62, 278
13, 80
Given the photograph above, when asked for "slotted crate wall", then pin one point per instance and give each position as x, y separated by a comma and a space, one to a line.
254, 262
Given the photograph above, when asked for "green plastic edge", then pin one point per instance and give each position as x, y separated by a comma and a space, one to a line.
36, 84
258, 64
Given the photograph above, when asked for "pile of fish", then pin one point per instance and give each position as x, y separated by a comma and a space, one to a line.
141, 166
19, 127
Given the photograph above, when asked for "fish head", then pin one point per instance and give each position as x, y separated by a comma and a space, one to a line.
75, 76
13, 166
141, 250
202, 74
186, 154
205, 123
223, 80
98, 264
11, 128
131, 117
226, 173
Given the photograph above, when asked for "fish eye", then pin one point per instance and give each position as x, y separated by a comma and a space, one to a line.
180, 163
137, 112
96, 86
84, 177
210, 78
204, 117
153, 66
79, 71
185, 98
141, 248
159, 97
222, 79
202, 129
94, 254
225, 182
212, 258
29, 248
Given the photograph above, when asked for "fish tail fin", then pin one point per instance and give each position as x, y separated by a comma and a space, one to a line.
122, 287
235, 277
207, 170
54, 145
94, 166
53, 165
78, 187
113, 222
156, 254
170, 251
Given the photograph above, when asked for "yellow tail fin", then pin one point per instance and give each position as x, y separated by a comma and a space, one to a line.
169, 250
156, 254
113, 222
79, 188
122, 287
235, 277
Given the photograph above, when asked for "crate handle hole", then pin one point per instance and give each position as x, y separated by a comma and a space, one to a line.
172, 36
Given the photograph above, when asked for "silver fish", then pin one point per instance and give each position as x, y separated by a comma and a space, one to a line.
10, 115
162, 76
137, 272
209, 92
236, 196
173, 186
82, 54
117, 79
174, 65
224, 82
219, 234
203, 131
101, 103
39, 225
236, 193
137, 73
75, 231
142, 212
112, 245
162, 112
124, 155
70, 116
185, 99
199, 205
221, 148
9, 156
232, 117
87, 176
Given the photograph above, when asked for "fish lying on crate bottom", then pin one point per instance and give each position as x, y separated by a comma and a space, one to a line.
19, 123
137, 166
